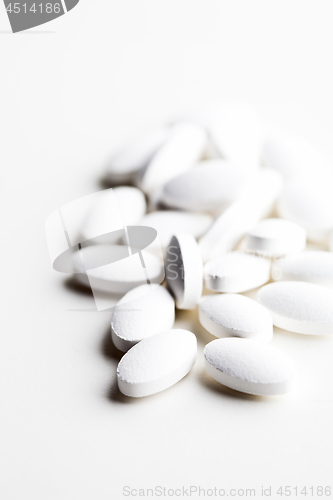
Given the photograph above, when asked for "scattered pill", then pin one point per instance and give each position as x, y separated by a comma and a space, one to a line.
210, 186
184, 270
235, 131
141, 313
111, 268
168, 222
312, 266
292, 155
156, 363
184, 147
135, 155
130, 204
299, 307
255, 203
276, 237
236, 272
249, 366
310, 204
232, 315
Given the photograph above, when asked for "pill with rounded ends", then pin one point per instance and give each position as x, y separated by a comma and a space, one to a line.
232, 315
236, 272
292, 155
184, 147
312, 266
310, 204
275, 237
299, 307
249, 366
135, 155
168, 222
209, 186
110, 268
256, 202
235, 130
184, 270
331, 241
157, 363
141, 313
130, 203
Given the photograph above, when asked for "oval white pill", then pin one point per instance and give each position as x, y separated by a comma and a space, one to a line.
232, 315
255, 203
292, 155
168, 222
274, 237
313, 266
122, 271
184, 147
184, 270
249, 366
210, 185
299, 307
141, 313
309, 203
130, 203
135, 155
236, 272
157, 363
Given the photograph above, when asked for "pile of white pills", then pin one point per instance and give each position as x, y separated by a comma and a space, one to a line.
233, 206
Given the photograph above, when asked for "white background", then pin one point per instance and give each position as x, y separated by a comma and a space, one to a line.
69, 92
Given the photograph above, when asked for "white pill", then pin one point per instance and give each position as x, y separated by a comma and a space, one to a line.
255, 203
292, 155
211, 185
238, 134
313, 266
299, 307
184, 270
141, 313
111, 269
331, 241
168, 222
135, 155
157, 363
249, 366
275, 237
130, 204
232, 315
235, 130
236, 272
184, 147
309, 203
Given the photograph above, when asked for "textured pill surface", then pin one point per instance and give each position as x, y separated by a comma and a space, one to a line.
312, 266
232, 315
210, 185
299, 307
157, 363
249, 366
236, 272
184, 270
142, 312
274, 237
